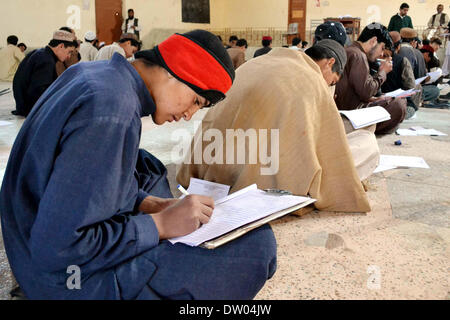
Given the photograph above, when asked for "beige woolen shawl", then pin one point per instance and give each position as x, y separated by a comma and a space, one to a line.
285, 90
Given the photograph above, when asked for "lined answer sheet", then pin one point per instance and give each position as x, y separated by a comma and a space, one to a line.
246, 207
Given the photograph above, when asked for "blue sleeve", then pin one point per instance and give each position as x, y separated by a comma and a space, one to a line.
140, 197
78, 222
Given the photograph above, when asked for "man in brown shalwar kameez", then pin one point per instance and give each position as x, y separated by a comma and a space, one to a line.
287, 91
357, 88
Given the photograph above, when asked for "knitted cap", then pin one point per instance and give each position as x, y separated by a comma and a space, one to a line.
338, 51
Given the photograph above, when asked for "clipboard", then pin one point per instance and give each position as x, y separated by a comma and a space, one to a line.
232, 235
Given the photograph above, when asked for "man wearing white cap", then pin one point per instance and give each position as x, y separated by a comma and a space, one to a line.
38, 71
87, 50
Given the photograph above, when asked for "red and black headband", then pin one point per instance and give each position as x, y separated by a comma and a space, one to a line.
197, 59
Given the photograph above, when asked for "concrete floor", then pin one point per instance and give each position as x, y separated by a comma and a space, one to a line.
400, 250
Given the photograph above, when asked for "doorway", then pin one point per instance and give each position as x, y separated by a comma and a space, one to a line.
296, 20
108, 17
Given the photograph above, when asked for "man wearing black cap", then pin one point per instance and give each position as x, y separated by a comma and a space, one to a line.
357, 88
331, 30
84, 210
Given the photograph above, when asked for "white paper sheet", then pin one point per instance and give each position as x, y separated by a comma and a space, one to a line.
435, 75
206, 188
419, 131
420, 80
402, 161
237, 211
5, 123
401, 93
364, 117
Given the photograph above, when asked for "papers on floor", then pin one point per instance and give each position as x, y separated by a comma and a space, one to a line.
5, 123
206, 188
361, 118
399, 93
388, 162
239, 209
419, 131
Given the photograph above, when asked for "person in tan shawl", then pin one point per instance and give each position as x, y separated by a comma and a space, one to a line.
286, 91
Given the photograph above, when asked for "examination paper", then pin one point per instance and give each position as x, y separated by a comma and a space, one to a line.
250, 204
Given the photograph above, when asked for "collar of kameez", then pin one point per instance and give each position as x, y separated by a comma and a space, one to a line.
194, 64
145, 99
49, 50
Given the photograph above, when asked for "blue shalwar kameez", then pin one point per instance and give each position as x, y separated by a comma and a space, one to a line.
70, 194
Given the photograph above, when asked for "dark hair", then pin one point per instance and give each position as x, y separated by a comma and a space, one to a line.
426, 42
319, 53
304, 43
134, 42
12, 40
436, 40
266, 43
242, 43
220, 38
404, 6
296, 41
130, 10
233, 38
54, 43
430, 53
376, 30
22, 45
66, 29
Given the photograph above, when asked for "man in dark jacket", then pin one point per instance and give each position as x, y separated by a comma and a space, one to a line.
38, 71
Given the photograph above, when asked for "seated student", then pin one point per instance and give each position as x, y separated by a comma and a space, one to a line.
407, 49
267, 46
88, 51
357, 88
402, 76
331, 30
430, 91
74, 57
78, 193
296, 44
362, 142
287, 94
128, 45
10, 58
22, 46
304, 45
38, 71
237, 53
232, 42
